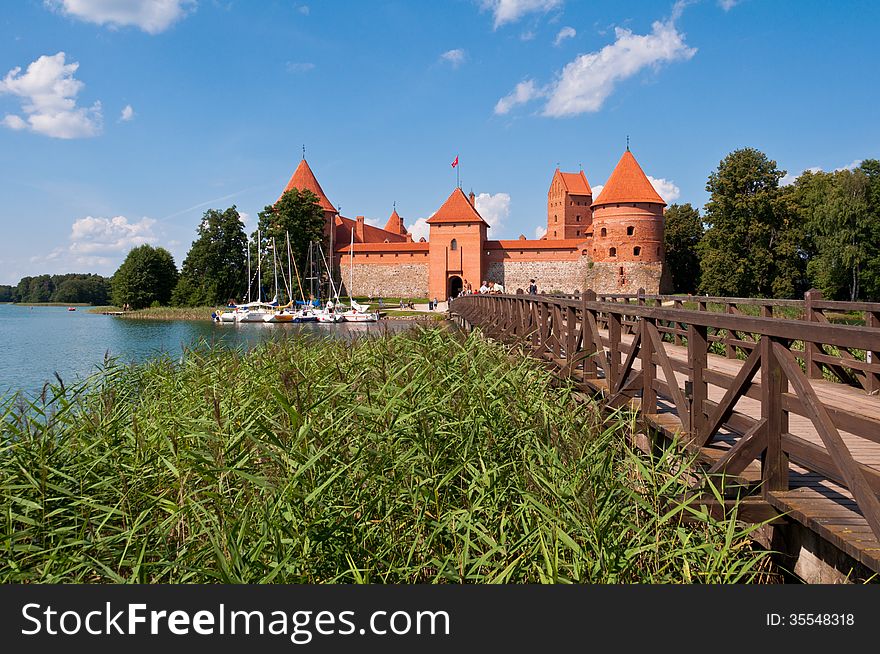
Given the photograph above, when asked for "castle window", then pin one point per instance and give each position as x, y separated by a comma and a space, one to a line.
387, 241
612, 252
630, 230
637, 250
604, 232
453, 245
620, 272
578, 218
555, 218
578, 233
554, 233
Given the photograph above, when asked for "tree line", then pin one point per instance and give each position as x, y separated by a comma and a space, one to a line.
72, 288
757, 238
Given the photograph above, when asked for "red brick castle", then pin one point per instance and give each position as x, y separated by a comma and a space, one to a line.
611, 244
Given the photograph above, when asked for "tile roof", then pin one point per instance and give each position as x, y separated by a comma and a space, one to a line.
344, 227
456, 209
575, 183
395, 224
304, 179
628, 183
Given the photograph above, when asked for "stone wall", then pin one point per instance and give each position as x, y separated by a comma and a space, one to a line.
607, 278
563, 276
387, 280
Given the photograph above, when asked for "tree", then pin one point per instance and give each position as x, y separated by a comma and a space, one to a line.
7, 293
213, 270
746, 237
845, 225
147, 276
682, 233
298, 214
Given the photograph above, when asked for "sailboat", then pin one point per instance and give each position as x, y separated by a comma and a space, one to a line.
331, 311
357, 312
256, 311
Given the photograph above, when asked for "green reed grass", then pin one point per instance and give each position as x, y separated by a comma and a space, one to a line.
423, 456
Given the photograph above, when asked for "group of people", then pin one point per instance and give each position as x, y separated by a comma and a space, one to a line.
492, 287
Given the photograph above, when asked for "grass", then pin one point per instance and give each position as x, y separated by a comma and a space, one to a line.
423, 456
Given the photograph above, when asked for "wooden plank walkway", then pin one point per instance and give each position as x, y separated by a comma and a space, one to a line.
813, 499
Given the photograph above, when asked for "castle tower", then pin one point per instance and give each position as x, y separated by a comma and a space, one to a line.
628, 217
395, 225
304, 179
568, 206
456, 238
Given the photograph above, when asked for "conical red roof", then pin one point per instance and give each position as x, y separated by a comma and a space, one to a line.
456, 209
628, 183
395, 224
304, 180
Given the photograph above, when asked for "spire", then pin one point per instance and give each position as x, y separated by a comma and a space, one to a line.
395, 223
456, 209
304, 179
628, 183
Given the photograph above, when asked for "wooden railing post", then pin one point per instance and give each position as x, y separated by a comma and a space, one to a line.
774, 466
590, 369
872, 379
649, 370
677, 304
814, 371
613, 372
729, 335
698, 350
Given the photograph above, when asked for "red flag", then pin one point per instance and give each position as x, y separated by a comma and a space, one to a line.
455, 163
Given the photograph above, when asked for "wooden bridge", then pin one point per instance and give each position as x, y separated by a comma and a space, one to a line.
779, 396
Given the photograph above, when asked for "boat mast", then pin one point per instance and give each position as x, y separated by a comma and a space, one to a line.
351, 266
249, 280
295, 269
275, 269
259, 268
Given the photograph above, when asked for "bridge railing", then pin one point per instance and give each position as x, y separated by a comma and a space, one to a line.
599, 343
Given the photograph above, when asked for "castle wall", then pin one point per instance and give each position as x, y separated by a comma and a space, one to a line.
604, 277
387, 279
550, 275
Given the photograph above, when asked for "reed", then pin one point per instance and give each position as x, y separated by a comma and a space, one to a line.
423, 456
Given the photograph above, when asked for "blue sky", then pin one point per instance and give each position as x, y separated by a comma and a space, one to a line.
121, 121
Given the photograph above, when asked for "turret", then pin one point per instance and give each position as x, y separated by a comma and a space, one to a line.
568, 206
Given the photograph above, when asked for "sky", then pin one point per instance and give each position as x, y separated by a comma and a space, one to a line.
123, 121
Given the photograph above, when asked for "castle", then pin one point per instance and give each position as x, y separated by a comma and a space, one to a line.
611, 244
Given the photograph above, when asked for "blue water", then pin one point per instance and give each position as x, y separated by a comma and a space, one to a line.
37, 342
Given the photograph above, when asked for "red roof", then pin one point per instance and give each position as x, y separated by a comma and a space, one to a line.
304, 179
395, 224
345, 226
575, 183
628, 183
456, 209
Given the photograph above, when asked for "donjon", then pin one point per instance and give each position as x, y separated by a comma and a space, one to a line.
612, 243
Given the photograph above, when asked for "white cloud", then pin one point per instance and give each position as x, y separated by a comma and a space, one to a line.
565, 33
585, 83
48, 91
493, 208
299, 67
244, 217
510, 11
374, 222
455, 57
851, 166
540, 232
303, 9
527, 36
127, 113
104, 236
151, 16
597, 189
665, 188
522, 93
419, 229
727, 5
790, 178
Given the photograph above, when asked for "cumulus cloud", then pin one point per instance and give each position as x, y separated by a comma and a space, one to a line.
127, 113
540, 232
151, 16
597, 189
565, 33
103, 236
299, 66
493, 208
584, 84
510, 11
851, 166
665, 188
419, 229
791, 178
244, 217
455, 57
48, 93
522, 93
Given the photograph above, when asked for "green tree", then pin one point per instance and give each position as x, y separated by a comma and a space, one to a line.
845, 225
147, 276
7, 293
746, 237
682, 232
213, 271
298, 214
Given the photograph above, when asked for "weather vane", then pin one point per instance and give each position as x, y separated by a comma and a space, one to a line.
627, 142
304, 150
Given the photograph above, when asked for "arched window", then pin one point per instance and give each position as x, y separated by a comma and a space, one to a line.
604, 232
453, 245
612, 252
637, 251
630, 230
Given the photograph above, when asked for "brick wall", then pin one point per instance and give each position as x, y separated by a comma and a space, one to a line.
606, 277
388, 280
564, 276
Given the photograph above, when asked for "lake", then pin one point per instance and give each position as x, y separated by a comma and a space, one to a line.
37, 342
